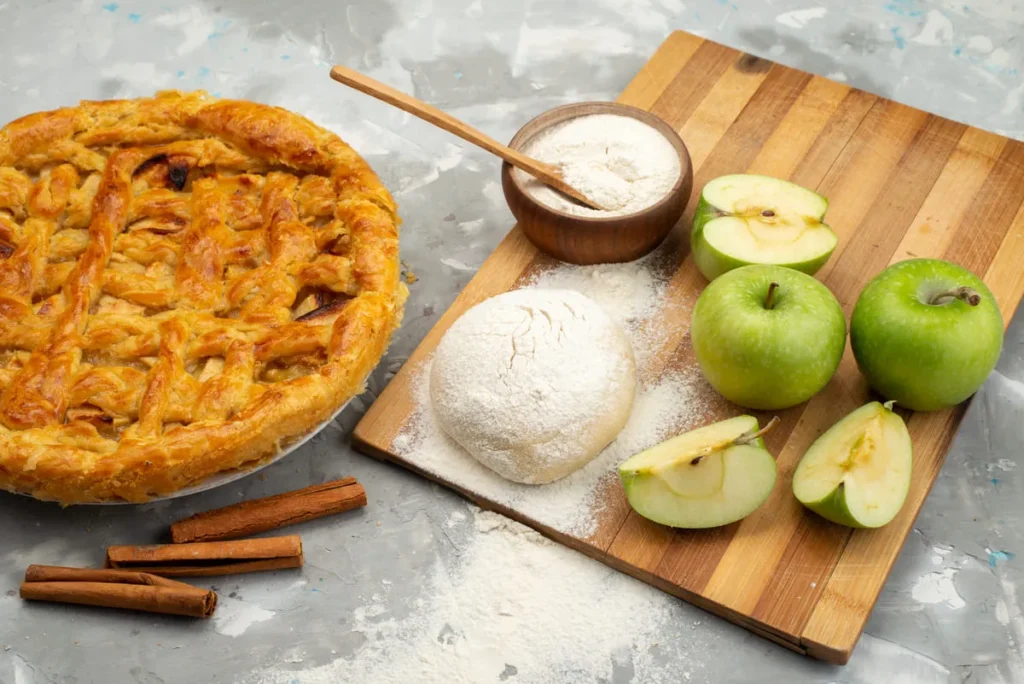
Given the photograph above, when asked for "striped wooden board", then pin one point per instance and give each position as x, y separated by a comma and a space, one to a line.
901, 183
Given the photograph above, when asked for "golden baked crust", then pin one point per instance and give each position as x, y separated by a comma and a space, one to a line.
186, 285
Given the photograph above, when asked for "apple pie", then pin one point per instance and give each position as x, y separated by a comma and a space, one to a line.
187, 285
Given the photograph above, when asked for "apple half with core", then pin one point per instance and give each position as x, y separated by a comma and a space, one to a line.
708, 477
767, 337
926, 333
858, 473
750, 219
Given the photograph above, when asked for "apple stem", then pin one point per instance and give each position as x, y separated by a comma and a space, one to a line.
770, 297
965, 294
744, 438
748, 437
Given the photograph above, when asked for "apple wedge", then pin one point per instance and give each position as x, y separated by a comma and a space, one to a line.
708, 477
746, 219
858, 472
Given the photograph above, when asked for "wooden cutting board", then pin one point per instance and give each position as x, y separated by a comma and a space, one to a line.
901, 183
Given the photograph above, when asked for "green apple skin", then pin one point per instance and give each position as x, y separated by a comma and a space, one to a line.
835, 509
836, 506
712, 263
767, 359
926, 357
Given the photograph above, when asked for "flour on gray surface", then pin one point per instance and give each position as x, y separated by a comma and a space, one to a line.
619, 162
534, 383
515, 608
235, 616
665, 405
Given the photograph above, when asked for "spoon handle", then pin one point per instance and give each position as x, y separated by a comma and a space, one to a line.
546, 173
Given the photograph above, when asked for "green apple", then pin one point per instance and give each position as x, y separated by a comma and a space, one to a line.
749, 219
708, 477
926, 333
767, 337
858, 473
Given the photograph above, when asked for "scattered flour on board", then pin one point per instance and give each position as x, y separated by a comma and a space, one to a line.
518, 608
665, 405
633, 294
571, 504
627, 292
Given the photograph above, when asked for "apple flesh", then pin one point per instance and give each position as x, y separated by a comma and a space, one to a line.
926, 333
746, 219
708, 477
858, 473
766, 351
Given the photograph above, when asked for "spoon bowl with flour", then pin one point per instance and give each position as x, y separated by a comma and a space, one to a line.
630, 161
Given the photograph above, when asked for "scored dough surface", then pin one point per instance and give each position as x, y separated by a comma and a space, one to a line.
533, 383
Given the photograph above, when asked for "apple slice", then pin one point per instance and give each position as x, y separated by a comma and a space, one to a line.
708, 477
749, 219
858, 472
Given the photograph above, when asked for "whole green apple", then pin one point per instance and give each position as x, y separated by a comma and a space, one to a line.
767, 337
926, 333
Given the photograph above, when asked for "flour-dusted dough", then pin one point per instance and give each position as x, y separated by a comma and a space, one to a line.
533, 383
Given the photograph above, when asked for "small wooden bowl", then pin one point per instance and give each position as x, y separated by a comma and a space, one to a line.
590, 240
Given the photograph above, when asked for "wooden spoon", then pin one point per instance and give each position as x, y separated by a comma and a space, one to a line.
549, 174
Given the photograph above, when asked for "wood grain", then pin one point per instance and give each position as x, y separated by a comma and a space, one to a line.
901, 184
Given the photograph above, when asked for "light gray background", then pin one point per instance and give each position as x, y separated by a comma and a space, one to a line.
496, 64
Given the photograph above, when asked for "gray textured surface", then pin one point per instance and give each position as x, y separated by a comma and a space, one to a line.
496, 64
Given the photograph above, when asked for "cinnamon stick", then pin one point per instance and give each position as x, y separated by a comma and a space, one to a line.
205, 559
116, 589
57, 573
259, 515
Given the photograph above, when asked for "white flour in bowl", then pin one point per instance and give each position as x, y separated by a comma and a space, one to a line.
617, 161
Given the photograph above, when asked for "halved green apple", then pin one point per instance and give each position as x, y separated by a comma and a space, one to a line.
746, 219
708, 477
858, 472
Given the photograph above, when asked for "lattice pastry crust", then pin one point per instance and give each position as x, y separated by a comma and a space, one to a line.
186, 285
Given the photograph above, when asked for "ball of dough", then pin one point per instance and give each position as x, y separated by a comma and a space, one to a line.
533, 383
